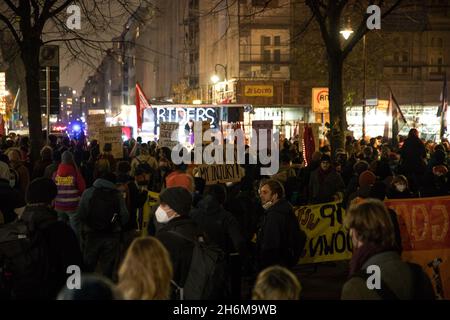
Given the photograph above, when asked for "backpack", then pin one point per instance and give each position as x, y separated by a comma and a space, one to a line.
143, 171
104, 208
24, 261
206, 276
295, 241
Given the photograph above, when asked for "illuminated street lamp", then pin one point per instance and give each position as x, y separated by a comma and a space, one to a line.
346, 33
215, 78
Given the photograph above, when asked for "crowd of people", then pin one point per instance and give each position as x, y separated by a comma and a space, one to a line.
85, 207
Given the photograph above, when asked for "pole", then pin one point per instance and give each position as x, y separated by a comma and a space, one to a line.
47, 81
364, 90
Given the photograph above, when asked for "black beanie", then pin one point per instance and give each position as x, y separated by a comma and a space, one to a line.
41, 190
325, 157
178, 199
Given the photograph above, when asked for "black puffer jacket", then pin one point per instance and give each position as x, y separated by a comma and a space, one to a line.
180, 249
219, 225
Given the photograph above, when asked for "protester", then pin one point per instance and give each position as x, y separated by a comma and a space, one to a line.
325, 184
177, 231
146, 272
399, 188
102, 212
41, 164
54, 247
70, 184
279, 240
17, 165
413, 155
373, 241
12, 200
52, 167
276, 283
144, 157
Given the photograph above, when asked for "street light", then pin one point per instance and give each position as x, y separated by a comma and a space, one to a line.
215, 78
346, 33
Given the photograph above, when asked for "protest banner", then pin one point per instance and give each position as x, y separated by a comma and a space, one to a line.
112, 135
145, 218
94, 123
327, 239
424, 227
220, 173
165, 134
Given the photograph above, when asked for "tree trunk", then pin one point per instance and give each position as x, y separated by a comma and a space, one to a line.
30, 58
338, 121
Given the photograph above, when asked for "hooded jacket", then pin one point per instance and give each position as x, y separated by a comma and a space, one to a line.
70, 184
83, 209
219, 225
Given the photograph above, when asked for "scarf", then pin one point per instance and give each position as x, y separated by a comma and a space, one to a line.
364, 253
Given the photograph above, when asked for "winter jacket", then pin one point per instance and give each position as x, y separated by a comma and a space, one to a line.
395, 273
321, 192
10, 199
413, 154
83, 209
24, 175
62, 244
39, 168
70, 184
180, 249
218, 224
271, 237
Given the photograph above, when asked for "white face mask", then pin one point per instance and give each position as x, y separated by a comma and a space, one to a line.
400, 187
161, 215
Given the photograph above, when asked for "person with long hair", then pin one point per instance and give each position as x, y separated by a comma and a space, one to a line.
146, 271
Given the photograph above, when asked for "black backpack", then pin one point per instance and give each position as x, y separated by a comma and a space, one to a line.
104, 208
143, 167
206, 276
24, 261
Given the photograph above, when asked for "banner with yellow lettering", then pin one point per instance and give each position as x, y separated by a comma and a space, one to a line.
327, 239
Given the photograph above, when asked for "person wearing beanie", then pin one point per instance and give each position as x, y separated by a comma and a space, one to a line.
367, 179
58, 239
325, 184
70, 184
176, 230
12, 201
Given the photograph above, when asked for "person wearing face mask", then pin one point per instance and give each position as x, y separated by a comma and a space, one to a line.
373, 239
399, 188
279, 239
174, 229
325, 184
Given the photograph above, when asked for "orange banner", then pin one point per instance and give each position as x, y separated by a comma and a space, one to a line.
424, 225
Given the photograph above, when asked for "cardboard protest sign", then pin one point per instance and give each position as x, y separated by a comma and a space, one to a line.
112, 135
95, 122
220, 173
165, 134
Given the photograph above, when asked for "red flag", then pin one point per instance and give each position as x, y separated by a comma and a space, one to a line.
141, 104
309, 145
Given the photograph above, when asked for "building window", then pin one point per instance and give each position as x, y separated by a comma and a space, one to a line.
266, 55
439, 65
396, 62
277, 41
405, 62
265, 41
277, 56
